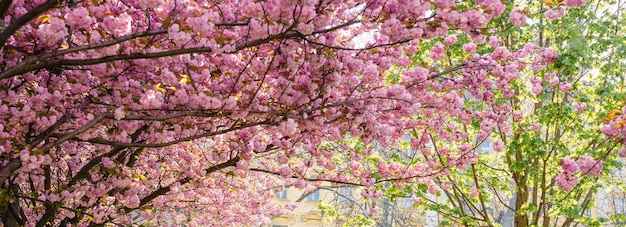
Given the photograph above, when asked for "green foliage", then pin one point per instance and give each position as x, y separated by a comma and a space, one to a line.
590, 57
360, 221
328, 211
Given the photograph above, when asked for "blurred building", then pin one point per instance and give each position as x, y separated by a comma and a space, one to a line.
307, 213
348, 203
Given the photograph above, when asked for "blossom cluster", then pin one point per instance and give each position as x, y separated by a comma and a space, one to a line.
116, 110
569, 178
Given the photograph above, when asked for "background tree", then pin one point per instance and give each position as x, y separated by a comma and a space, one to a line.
541, 155
125, 110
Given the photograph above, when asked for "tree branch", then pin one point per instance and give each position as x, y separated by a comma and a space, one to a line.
173, 142
31, 14
166, 189
85, 169
4, 6
64, 138
9, 169
24, 68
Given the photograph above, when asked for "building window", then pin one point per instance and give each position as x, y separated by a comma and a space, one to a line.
407, 202
281, 194
486, 146
344, 194
314, 196
409, 152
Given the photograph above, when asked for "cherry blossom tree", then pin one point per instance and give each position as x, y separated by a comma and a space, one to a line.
125, 111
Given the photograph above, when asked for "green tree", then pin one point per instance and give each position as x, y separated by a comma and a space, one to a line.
521, 165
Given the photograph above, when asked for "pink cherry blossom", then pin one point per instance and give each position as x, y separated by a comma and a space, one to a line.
53, 32
622, 152
517, 17
554, 81
537, 89
494, 41
119, 113
449, 40
548, 55
518, 115
437, 52
536, 127
566, 182
498, 145
535, 80
373, 210
354, 166
118, 25
565, 87
473, 192
589, 166
575, 3
469, 47
432, 189
416, 199
555, 13
581, 106
569, 166
285, 171
79, 18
